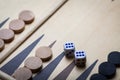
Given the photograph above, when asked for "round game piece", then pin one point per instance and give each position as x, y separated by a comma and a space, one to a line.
107, 69
27, 16
33, 63
45, 53
2, 44
22, 74
114, 57
7, 35
17, 25
98, 77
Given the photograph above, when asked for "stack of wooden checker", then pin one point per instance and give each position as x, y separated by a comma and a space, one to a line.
93, 25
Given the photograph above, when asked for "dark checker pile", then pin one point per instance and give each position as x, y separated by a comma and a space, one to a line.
107, 70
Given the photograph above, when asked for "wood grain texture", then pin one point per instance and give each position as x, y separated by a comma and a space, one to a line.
93, 25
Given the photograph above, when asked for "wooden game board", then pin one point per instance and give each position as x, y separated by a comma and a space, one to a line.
93, 25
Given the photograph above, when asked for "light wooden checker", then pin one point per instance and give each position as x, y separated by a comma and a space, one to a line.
93, 25
44, 13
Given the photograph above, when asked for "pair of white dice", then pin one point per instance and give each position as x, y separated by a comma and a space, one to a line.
79, 56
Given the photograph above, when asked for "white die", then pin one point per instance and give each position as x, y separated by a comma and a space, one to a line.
80, 58
69, 49
69, 46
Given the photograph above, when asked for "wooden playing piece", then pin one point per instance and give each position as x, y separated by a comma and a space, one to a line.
98, 76
114, 58
43, 13
1, 44
46, 72
44, 52
15, 62
107, 69
17, 25
22, 74
33, 63
27, 16
7, 35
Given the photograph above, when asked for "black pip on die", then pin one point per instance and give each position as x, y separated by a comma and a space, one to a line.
69, 49
80, 58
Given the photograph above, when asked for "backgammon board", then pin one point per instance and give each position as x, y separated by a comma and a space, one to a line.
93, 26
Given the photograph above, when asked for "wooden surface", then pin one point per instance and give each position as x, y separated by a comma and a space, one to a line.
93, 25
40, 19
4, 76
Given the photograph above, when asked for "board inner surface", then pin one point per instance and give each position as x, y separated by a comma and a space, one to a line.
93, 25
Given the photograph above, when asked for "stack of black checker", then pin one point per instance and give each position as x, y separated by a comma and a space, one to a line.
107, 70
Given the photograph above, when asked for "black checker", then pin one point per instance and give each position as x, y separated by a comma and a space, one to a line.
98, 76
107, 69
114, 57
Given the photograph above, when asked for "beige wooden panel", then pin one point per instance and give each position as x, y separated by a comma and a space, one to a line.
42, 12
93, 25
